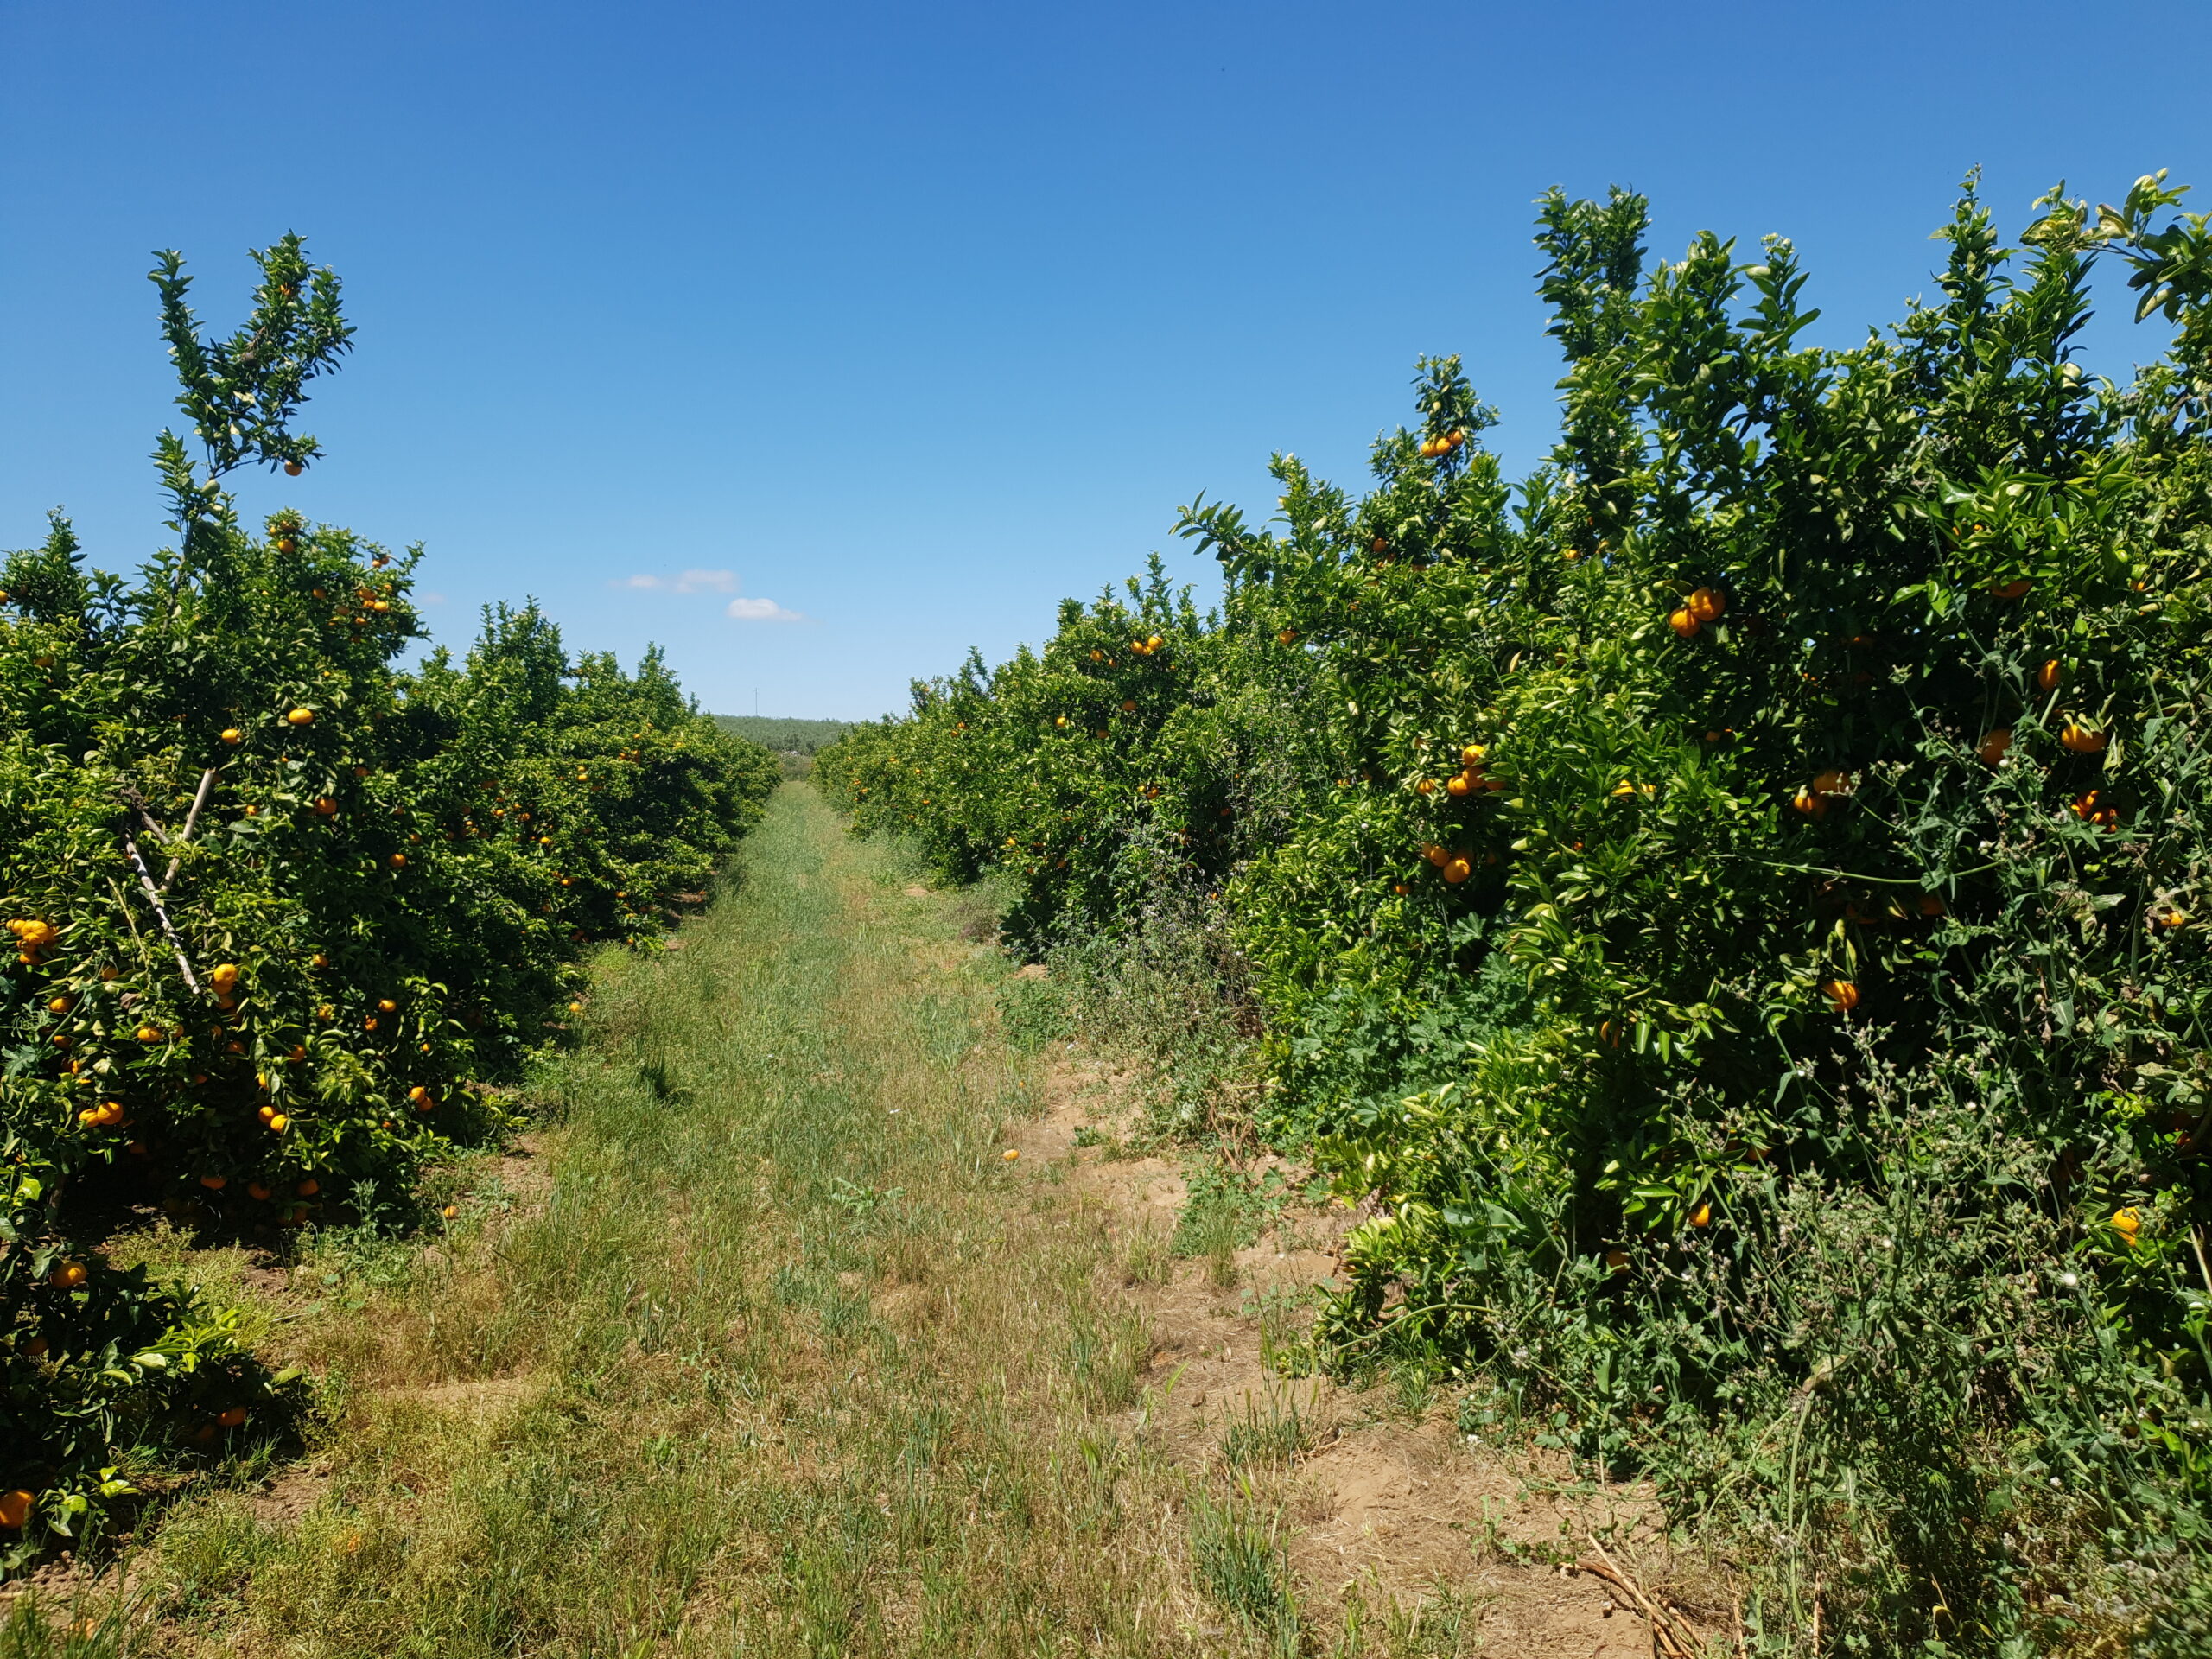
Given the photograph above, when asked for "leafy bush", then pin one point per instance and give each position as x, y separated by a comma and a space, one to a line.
279, 908
1736, 901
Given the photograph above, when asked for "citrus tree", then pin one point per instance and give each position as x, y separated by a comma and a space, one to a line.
1731, 903
278, 909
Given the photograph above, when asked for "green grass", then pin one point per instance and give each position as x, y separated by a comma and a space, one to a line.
787, 1362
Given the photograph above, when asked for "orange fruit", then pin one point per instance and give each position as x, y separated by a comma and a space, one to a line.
16, 1508
1683, 623
1930, 904
2083, 739
1459, 785
1287, 637
258, 1190
1617, 1260
300, 717
1011, 1153
325, 806
308, 1188
68, 1275
1830, 783
1705, 605
1435, 854
1457, 869
233, 737
1702, 1216
2010, 589
1994, 744
1842, 994
278, 1124
1425, 786
62, 1005
214, 1183
233, 1418
2048, 675
150, 1034
2127, 1222
292, 469
1808, 804
399, 860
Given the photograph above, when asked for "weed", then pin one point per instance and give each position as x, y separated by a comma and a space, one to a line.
1241, 1563
1274, 1439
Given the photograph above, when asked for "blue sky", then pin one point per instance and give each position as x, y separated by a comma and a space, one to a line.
895, 323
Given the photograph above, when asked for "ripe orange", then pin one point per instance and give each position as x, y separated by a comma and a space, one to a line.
258, 1190
1705, 605
1683, 623
399, 860
1842, 994
325, 806
1457, 869
300, 717
2083, 739
1930, 904
1287, 637
292, 469
150, 1034
15, 1509
231, 735
450, 1211
68, 1275
278, 1124
2127, 1222
1011, 1153
2048, 675
308, 1188
1435, 854
1458, 785
1617, 1261
1702, 1216
233, 1418
2010, 589
1425, 786
1808, 804
1994, 744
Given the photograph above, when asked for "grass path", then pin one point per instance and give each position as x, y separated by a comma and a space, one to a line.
788, 1360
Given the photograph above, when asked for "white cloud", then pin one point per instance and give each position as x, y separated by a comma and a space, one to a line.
691, 582
761, 610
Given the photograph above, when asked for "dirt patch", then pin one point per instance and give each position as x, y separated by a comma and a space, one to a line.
1384, 1492
291, 1495
525, 1171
